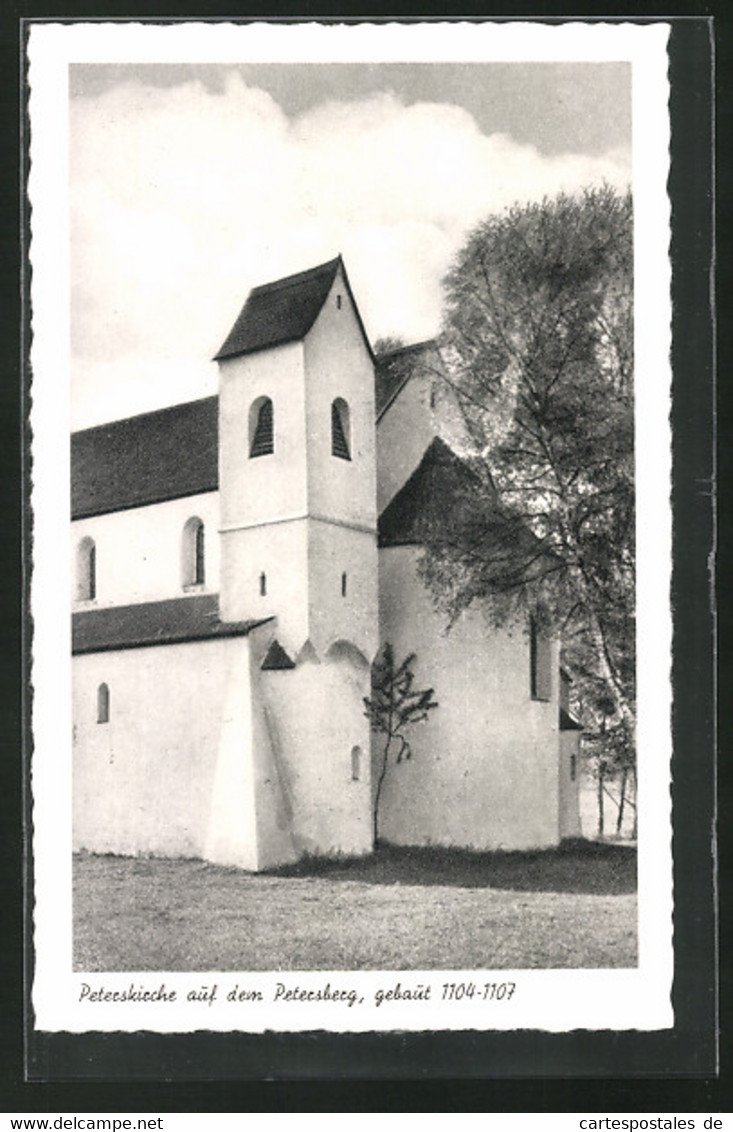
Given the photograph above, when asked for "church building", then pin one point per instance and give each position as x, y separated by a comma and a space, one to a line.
238, 563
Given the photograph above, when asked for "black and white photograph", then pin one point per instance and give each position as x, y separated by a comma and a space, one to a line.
351, 680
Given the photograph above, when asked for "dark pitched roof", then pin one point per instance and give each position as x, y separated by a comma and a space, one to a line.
423, 499
145, 459
280, 312
392, 371
276, 658
450, 501
194, 618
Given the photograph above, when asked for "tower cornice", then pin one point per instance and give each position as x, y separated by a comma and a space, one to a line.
298, 518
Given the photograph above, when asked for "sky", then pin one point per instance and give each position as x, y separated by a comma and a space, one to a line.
189, 184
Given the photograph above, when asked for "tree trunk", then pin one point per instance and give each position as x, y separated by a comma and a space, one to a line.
604, 666
601, 774
378, 793
622, 800
605, 669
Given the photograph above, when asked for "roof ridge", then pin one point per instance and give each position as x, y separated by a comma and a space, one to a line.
147, 624
281, 311
406, 349
202, 600
146, 413
298, 277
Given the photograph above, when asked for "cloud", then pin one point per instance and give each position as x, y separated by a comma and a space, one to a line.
183, 198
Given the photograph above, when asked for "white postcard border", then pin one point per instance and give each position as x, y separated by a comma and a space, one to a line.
554, 1000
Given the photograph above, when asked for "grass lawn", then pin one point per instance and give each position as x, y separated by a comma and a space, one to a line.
397, 910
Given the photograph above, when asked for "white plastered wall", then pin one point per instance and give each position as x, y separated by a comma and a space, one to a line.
315, 714
250, 818
139, 551
484, 771
263, 499
143, 781
341, 493
569, 784
424, 408
280, 552
182, 768
334, 550
272, 486
338, 365
404, 432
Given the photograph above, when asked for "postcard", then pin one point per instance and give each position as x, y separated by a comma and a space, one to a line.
350, 377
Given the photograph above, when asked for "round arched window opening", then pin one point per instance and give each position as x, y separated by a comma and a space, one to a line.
261, 427
193, 558
86, 570
340, 429
102, 704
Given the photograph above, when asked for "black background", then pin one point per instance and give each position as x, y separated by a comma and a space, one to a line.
665, 1072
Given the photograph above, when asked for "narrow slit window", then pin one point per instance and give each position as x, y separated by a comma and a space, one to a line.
263, 584
199, 555
92, 571
343, 585
338, 302
262, 428
539, 661
102, 704
340, 430
355, 764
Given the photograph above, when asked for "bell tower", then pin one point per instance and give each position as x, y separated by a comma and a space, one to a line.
297, 488
297, 464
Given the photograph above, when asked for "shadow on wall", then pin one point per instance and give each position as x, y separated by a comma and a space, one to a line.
575, 866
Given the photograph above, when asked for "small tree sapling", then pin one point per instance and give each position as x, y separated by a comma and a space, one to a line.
394, 706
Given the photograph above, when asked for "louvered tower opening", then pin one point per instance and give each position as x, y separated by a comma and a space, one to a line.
263, 440
339, 443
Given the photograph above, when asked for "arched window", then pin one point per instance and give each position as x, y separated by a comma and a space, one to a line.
355, 764
340, 429
102, 704
193, 564
263, 584
261, 428
86, 570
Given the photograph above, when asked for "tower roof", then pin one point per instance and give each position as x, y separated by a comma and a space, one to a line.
280, 312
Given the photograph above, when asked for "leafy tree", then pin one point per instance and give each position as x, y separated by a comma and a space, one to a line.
610, 756
538, 348
393, 707
387, 345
